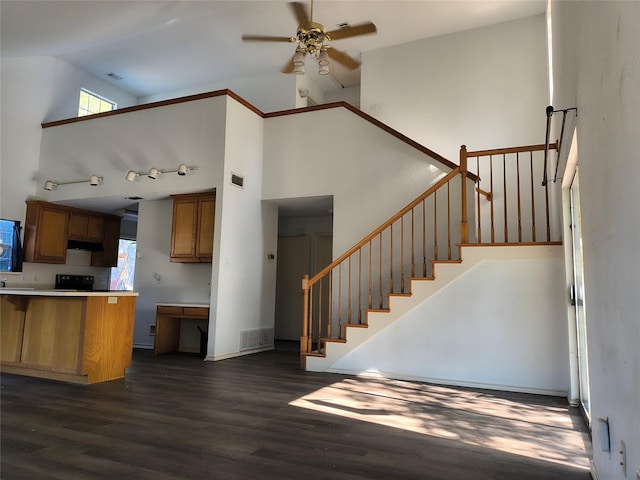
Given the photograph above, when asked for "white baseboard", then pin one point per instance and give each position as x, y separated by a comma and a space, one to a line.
216, 358
594, 471
143, 346
454, 382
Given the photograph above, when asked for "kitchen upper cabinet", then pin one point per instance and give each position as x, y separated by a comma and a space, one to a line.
192, 227
108, 257
49, 228
86, 228
45, 233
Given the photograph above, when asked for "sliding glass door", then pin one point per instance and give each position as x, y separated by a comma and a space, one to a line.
581, 323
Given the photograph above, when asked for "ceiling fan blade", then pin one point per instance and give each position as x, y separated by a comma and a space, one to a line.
343, 58
266, 38
300, 12
289, 67
361, 29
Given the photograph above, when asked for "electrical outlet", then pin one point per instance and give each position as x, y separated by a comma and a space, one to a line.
623, 457
152, 329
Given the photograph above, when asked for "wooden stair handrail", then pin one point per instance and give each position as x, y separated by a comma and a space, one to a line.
443, 181
500, 151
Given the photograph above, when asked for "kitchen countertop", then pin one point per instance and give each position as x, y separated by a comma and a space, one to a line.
64, 293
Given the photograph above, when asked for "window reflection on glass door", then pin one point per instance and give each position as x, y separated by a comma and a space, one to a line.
122, 275
581, 323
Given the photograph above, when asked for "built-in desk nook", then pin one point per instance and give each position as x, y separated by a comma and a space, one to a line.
169, 318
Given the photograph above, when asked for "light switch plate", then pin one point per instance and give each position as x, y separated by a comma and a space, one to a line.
112, 300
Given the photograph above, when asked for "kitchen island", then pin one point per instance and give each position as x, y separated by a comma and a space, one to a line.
73, 336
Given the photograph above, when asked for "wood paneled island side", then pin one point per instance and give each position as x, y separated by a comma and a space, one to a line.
81, 337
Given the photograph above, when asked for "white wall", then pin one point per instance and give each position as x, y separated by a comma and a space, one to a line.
484, 88
156, 278
269, 92
243, 290
68, 80
596, 68
24, 103
349, 94
499, 326
370, 174
314, 92
111, 146
35, 90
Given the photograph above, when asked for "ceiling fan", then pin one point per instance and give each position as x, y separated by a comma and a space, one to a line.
314, 39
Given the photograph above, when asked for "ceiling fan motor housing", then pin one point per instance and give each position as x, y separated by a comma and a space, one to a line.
312, 37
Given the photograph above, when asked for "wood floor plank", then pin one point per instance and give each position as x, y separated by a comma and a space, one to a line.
261, 417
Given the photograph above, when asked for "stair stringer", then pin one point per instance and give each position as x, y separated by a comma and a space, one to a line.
445, 273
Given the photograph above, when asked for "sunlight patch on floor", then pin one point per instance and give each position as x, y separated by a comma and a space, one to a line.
476, 418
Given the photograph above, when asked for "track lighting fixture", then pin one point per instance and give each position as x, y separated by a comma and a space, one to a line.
94, 181
154, 172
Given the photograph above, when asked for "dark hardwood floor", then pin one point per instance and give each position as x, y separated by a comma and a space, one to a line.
261, 417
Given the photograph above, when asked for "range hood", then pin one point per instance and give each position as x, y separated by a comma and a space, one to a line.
81, 245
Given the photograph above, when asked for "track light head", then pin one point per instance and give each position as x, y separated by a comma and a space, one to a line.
183, 169
153, 173
131, 175
49, 185
95, 180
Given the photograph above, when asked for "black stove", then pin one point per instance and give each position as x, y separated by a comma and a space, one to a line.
74, 282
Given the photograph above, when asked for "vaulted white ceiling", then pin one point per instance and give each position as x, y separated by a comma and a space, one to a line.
160, 46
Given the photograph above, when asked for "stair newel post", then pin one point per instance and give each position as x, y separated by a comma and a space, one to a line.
305, 340
464, 225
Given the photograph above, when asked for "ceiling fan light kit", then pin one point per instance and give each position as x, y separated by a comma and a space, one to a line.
314, 39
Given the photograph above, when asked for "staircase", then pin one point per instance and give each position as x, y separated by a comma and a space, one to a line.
427, 247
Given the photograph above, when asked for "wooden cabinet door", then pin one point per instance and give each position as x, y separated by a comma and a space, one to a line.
206, 218
183, 231
78, 225
85, 227
109, 256
51, 236
11, 328
96, 229
52, 333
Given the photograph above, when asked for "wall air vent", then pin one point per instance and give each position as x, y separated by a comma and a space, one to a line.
237, 180
256, 339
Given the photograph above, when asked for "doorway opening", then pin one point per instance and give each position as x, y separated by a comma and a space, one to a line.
305, 247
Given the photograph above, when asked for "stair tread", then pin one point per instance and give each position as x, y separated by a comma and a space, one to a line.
334, 340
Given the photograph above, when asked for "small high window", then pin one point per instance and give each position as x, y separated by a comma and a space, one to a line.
90, 104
